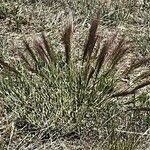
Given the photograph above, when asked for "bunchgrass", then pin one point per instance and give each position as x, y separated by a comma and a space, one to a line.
53, 92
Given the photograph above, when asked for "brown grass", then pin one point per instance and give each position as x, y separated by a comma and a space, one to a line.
91, 40
67, 41
7, 66
49, 49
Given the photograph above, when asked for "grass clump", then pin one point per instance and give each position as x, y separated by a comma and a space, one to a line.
64, 95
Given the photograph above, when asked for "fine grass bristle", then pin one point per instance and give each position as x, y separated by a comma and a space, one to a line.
40, 50
141, 85
99, 40
30, 51
122, 94
136, 64
28, 65
117, 54
66, 38
91, 40
91, 72
131, 91
110, 42
138, 109
49, 48
101, 58
23, 58
7, 66
118, 50
144, 75
118, 57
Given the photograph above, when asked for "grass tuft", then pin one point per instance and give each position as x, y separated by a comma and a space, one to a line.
49, 49
67, 41
91, 40
100, 102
